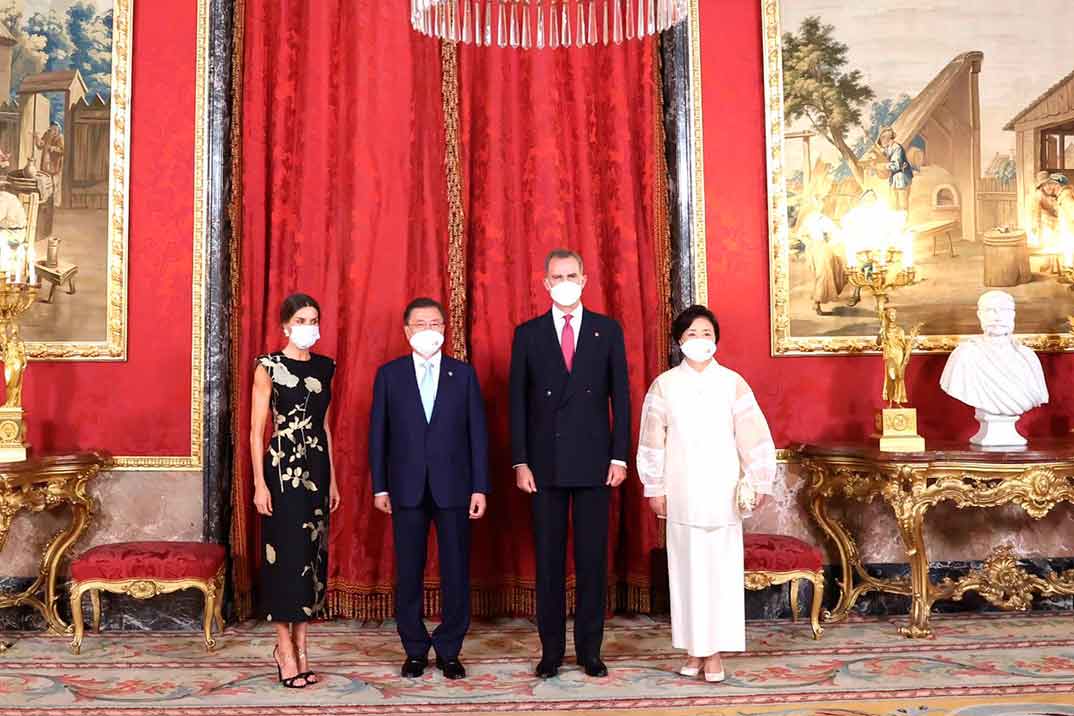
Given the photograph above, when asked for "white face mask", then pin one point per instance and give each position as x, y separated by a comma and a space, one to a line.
566, 293
426, 343
305, 335
699, 350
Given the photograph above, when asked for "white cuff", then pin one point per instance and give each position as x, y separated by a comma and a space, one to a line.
620, 463
379, 494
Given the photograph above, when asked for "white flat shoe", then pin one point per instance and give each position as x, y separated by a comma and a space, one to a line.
714, 678
690, 671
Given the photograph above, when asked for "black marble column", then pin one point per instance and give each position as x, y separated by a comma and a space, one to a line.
679, 157
217, 416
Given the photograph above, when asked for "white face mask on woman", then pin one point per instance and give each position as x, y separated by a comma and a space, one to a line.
699, 350
426, 343
304, 335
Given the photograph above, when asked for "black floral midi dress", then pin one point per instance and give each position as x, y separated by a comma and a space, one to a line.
294, 556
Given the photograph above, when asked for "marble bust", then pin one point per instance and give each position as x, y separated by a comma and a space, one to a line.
995, 374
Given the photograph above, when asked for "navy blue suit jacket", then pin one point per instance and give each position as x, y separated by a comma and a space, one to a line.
449, 452
560, 422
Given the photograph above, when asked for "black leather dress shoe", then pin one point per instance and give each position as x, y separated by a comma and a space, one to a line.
594, 667
547, 669
452, 668
414, 667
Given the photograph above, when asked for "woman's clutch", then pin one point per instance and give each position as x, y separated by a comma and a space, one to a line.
745, 496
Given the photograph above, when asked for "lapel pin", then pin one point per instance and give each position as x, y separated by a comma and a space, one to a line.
450, 374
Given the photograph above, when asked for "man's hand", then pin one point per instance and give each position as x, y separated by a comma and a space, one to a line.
616, 475
383, 503
477, 506
659, 506
524, 479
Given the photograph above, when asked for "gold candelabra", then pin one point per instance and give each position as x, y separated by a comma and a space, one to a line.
15, 298
881, 271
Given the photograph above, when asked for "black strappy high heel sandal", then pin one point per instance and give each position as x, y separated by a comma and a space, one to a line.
289, 682
310, 676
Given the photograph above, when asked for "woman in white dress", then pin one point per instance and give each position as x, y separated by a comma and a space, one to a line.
702, 434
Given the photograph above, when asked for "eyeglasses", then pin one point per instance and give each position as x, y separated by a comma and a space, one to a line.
426, 325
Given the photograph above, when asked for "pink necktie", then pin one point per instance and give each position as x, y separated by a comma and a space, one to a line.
567, 342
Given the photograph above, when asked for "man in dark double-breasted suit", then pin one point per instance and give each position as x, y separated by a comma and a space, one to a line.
428, 454
568, 368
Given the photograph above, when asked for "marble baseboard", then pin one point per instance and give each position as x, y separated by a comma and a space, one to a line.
179, 611
774, 603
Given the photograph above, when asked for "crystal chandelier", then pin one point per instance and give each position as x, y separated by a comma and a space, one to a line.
537, 24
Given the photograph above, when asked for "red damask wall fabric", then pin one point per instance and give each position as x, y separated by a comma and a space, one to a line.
813, 398
344, 199
141, 406
560, 149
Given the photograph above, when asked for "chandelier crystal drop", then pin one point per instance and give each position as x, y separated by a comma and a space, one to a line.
540, 24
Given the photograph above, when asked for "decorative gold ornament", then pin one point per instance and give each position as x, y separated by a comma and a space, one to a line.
15, 299
911, 488
43, 484
897, 425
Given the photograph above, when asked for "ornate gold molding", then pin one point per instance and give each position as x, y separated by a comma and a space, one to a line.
782, 342
457, 299
194, 460
700, 247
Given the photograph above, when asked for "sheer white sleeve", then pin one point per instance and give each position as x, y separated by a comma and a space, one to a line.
756, 451
652, 442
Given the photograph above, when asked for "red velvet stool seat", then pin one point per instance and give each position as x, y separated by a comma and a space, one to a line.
777, 559
145, 569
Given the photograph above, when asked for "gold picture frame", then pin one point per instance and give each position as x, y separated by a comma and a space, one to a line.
113, 344
793, 327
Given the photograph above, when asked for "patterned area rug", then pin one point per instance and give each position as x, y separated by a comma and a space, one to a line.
975, 666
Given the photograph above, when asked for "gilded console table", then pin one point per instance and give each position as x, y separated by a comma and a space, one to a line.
46, 483
1036, 477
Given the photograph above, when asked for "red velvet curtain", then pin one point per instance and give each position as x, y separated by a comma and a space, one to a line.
563, 148
344, 196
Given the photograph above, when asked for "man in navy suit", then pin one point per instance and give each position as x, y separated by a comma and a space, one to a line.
428, 452
567, 367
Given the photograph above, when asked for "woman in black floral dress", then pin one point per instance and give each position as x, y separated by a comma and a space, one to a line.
294, 485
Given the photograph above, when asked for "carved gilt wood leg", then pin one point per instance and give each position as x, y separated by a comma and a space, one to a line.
76, 618
912, 528
219, 612
95, 600
794, 600
848, 558
818, 600
50, 561
209, 588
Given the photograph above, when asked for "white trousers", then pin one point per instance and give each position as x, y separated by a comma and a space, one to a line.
708, 610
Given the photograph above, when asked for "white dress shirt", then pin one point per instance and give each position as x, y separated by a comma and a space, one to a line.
419, 369
419, 373
559, 320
